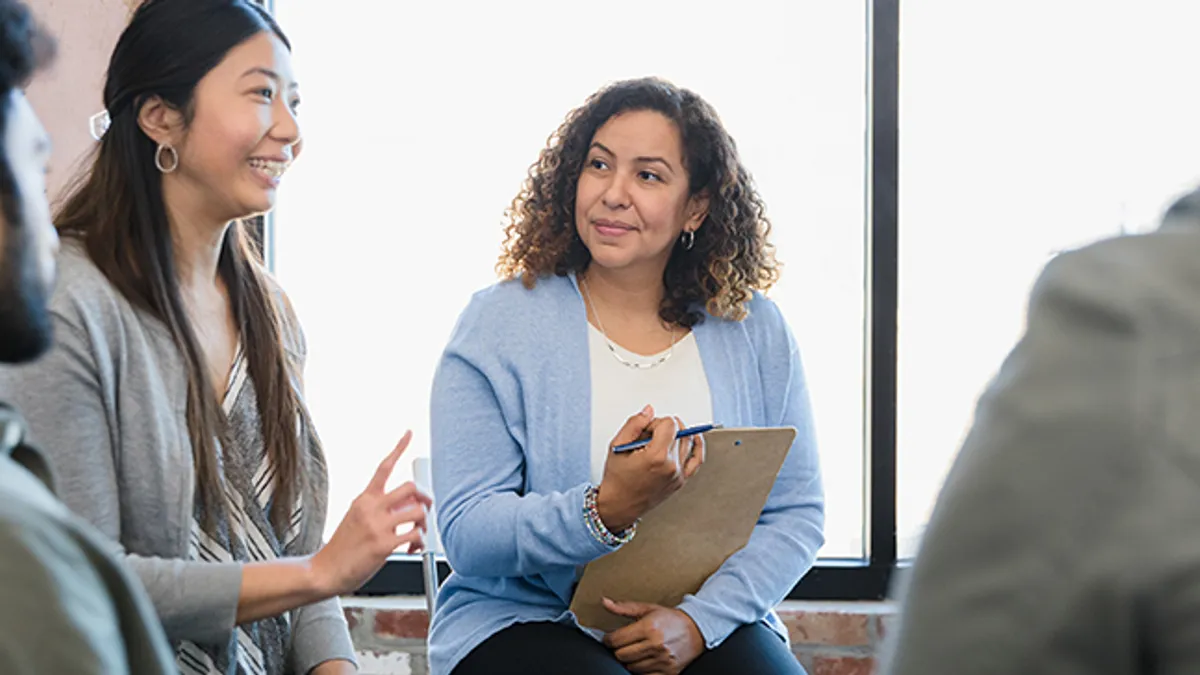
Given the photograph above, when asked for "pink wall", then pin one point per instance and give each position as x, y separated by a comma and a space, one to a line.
69, 92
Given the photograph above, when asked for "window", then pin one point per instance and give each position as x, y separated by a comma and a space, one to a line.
1026, 128
1021, 130
393, 217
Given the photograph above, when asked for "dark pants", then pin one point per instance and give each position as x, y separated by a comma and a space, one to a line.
551, 649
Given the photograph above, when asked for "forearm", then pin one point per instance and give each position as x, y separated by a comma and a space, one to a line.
271, 588
203, 601
506, 535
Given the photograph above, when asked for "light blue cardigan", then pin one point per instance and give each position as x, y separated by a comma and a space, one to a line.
511, 436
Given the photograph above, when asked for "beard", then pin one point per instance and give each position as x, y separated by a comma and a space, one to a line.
25, 328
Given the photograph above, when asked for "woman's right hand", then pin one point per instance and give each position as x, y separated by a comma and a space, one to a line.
635, 482
367, 534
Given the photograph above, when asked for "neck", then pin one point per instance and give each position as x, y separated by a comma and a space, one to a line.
197, 238
637, 292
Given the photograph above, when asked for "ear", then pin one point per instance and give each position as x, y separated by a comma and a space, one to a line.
160, 121
697, 211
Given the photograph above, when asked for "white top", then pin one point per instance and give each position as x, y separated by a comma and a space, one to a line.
677, 387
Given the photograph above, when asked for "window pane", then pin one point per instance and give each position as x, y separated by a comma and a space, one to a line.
1026, 128
421, 122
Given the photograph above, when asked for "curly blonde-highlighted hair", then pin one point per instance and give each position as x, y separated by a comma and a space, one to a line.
731, 257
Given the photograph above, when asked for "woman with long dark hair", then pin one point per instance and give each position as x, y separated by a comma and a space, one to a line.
172, 402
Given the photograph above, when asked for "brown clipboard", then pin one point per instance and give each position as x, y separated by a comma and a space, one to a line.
685, 539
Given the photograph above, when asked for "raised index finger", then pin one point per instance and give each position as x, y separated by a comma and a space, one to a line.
384, 472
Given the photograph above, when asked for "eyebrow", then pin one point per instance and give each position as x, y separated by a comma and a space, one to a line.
259, 70
640, 160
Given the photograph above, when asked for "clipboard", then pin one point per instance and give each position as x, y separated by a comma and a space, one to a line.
684, 540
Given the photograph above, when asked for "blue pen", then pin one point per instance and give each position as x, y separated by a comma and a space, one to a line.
682, 433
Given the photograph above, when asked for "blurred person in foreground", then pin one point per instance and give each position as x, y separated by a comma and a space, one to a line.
1067, 537
67, 605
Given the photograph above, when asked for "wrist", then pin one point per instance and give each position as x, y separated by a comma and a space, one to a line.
614, 511
693, 628
319, 581
612, 538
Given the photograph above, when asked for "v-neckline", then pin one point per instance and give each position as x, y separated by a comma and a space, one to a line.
236, 379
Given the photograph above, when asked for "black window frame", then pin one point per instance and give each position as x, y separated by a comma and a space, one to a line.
867, 578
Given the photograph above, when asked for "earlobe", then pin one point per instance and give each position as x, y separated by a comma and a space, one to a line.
158, 120
698, 211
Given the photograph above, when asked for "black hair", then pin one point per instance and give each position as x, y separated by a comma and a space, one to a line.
116, 208
24, 48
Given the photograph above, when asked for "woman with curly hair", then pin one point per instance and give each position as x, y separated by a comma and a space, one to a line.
634, 265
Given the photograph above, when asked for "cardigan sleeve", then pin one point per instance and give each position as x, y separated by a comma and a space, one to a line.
489, 527
75, 423
790, 530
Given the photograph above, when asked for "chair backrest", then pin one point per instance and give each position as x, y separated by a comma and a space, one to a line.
423, 477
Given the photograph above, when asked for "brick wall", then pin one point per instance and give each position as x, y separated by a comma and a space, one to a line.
829, 638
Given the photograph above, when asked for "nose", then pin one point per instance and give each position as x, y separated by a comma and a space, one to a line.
286, 128
616, 195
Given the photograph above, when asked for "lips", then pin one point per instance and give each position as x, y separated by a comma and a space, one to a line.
612, 228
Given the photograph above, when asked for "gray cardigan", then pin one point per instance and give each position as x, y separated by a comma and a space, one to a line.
107, 405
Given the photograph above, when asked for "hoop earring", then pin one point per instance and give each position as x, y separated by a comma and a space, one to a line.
158, 158
689, 240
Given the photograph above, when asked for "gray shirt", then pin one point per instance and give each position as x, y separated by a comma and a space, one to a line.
108, 404
1067, 537
67, 605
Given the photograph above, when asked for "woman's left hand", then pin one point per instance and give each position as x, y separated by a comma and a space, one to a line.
661, 640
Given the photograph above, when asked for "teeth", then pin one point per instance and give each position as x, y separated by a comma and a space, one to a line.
272, 168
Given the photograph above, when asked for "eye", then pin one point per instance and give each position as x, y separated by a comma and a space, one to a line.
265, 92
649, 176
295, 104
597, 163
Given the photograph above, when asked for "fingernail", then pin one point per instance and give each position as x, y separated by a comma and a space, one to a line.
647, 410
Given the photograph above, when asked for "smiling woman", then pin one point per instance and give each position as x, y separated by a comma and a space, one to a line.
627, 168
172, 403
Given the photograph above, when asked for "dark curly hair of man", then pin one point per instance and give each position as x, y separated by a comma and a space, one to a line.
731, 257
24, 46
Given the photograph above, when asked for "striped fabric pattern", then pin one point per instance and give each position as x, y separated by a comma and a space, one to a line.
244, 535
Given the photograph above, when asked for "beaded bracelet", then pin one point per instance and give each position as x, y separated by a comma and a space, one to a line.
591, 516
